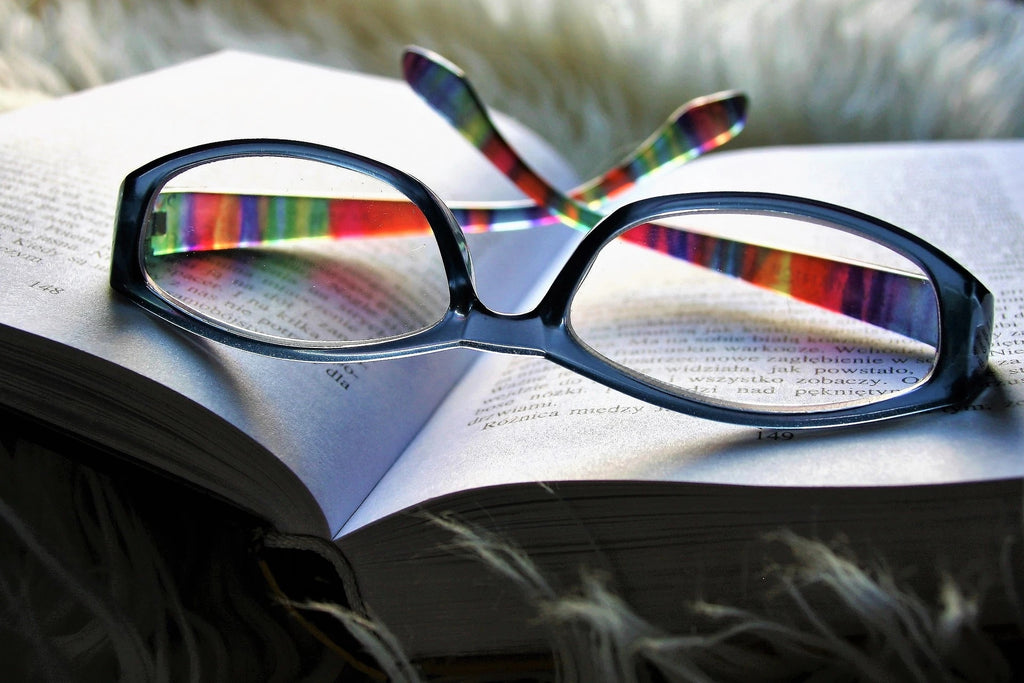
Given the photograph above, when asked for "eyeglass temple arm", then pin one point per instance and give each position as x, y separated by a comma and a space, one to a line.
696, 127
693, 129
700, 125
224, 220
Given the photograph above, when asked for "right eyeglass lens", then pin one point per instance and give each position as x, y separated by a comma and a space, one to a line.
760, 312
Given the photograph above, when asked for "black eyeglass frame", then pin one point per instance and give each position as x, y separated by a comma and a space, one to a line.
965, 305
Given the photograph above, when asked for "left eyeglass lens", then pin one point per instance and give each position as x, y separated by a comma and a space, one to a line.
294, 250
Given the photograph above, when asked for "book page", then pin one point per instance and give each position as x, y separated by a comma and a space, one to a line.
336, 427
526, 420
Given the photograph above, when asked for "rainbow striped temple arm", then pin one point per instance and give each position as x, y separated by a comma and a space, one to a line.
695, 128
700, 125
193, 221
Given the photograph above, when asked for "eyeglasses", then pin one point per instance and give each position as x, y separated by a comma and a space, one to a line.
751, 308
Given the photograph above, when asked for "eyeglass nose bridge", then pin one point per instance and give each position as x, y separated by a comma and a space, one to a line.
520, 333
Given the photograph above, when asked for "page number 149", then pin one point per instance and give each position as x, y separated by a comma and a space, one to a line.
773, 435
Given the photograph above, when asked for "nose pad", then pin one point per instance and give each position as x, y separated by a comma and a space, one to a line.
499, 332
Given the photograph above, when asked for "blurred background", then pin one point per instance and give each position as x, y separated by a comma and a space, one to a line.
591, 77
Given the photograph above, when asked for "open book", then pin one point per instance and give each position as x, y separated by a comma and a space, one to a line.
573, 472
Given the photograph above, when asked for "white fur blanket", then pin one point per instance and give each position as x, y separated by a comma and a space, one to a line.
593, 77
90, 585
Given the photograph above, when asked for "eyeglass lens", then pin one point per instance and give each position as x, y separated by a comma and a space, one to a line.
759, 311
262, 246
